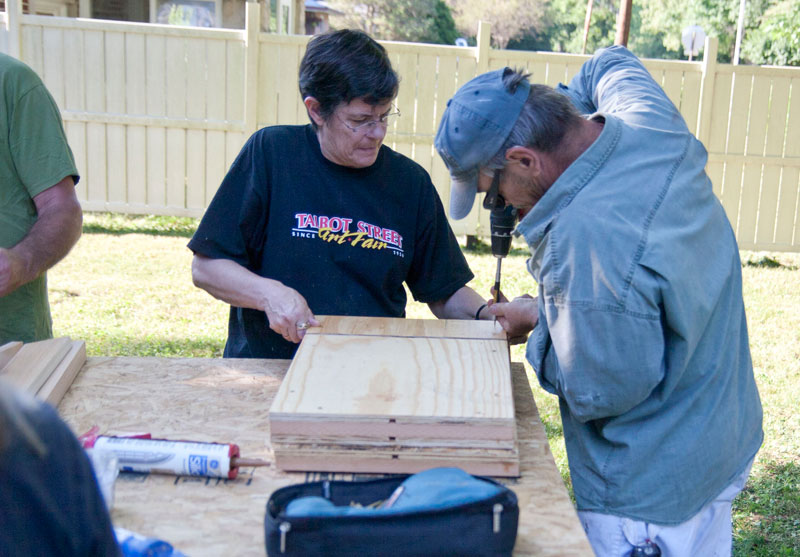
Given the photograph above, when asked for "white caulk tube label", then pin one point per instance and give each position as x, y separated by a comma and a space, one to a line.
184, 458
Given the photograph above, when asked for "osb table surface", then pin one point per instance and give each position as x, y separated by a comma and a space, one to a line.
228, 401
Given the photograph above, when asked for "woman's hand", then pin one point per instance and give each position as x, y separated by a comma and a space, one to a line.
288, 312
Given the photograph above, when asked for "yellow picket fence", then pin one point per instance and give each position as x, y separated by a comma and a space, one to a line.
155, 114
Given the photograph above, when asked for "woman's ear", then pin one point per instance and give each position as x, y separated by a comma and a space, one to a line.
313, 108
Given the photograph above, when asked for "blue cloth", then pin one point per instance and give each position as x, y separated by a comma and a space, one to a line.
432, 489
642, 330
50, 503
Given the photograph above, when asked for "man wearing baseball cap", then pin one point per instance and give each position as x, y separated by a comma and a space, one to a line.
639, 325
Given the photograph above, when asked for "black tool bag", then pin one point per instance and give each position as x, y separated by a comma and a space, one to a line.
487, 526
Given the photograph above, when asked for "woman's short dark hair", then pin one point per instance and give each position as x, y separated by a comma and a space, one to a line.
345, 65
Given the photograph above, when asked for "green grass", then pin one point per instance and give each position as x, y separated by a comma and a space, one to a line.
126, 289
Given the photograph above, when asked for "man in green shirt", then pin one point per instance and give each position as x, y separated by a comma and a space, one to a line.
40, 216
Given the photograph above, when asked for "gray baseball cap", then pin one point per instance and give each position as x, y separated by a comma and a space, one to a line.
475, 125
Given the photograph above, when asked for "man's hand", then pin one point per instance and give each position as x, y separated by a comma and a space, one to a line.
518, 317
12, 272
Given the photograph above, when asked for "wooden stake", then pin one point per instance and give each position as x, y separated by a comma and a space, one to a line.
8, 351
237, 461
60, 380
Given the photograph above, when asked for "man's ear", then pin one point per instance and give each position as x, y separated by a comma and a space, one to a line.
313, 107
530, 160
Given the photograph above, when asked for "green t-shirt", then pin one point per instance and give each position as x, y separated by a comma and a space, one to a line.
34, 156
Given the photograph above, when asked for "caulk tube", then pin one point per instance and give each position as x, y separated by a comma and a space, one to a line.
183, 458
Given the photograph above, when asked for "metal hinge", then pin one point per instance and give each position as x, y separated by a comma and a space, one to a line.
284, 528
497, 510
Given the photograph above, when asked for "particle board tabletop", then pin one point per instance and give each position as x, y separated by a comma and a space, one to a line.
227, 401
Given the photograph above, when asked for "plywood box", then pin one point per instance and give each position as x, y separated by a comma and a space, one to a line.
367, 394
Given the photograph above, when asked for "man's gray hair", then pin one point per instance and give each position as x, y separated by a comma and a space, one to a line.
545, 118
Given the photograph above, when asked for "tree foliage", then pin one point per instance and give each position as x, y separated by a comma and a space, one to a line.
771, 33
428, 21
777, 38
509, 18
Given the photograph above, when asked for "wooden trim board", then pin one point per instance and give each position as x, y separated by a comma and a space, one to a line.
401, 428
35, 362
56, 386
394, 462
388, 326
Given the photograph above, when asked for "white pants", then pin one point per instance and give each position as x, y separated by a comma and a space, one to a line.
707, 533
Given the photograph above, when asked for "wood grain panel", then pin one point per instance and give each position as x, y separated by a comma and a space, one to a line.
32, 47
117, 164
115, 73
424, 378
176, 167
768, 205
215, 163
215, 81
135, 74
673, 86
234, 81
737, 135
76, 137
268, 77
195, 169
95, 70
136, 164
757, 122
74, 78
720, 114
96, 166
156, 167
426, 100
175, 54
156, 75
690, 100
53, 69
288, 94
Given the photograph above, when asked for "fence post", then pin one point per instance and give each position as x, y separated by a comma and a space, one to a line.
13, 17
482, 48
703, 125
251, 48
85, 9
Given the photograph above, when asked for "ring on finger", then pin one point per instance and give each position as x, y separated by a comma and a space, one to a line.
303, 325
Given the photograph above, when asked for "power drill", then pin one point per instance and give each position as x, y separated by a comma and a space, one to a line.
502, 220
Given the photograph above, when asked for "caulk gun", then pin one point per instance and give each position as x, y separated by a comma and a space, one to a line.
141, 453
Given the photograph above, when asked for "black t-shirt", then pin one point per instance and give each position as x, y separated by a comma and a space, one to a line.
346, 239
50, 503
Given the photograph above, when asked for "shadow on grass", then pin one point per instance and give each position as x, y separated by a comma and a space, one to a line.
153, 225
768, 263
767, 513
